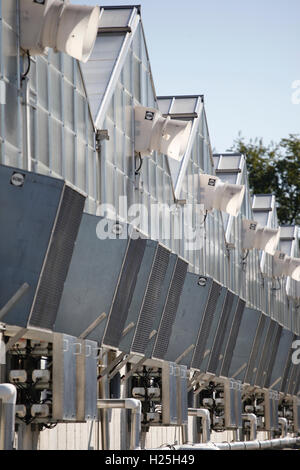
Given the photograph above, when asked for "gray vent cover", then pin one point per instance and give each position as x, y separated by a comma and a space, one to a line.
124, 292
219, 338
57, 261
266, 353
170, 309
257, 346
207, 321
287, 369
151, 299
39, 219
232, 338
271, 361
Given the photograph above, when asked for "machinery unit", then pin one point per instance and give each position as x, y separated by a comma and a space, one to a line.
244, 342
228, 324
199, 304
281, 360
39, 218
268, 354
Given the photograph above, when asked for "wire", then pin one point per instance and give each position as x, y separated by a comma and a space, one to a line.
246, 255
28, 67
137, 170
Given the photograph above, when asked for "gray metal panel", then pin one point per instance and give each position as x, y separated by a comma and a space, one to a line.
222, 333
38, 230
188, 320
272, 357
213, 329
206, 326
171, 291
281, 359
64, 377
151, 300
138, 296
266, 354
233, 404
244, 343
124, 293
92, 280
256, 352
287, 369
293, 379
155, 317
182, 395
58, 259
296, 414
169, 393
232, 338
87, 384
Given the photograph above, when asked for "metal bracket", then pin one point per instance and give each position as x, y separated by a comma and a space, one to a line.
15, 338
122, 364
14, 299
133, 369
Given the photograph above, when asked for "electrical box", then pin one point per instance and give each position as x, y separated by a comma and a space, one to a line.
271, 399
39, 219
86, 383
296, 414
182, 395
233, 404
64, 377
170, 372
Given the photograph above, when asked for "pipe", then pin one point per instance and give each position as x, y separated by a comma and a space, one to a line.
135, 407
204, 414
253, 424
284, 426
246, 445
8, 396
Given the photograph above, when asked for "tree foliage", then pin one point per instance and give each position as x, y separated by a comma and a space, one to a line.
275, 168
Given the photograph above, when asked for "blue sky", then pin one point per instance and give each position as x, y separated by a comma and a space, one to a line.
244, 56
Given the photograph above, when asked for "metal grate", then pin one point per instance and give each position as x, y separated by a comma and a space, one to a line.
271, 362
268, 344
124, 292
57, 260
288, 366
170, 309
214, 359
150, 303
207, 321
233, 337
254, 352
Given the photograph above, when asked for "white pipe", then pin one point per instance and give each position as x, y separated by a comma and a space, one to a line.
284, 426
8, 396
136, 414
204, 414
246, 445
253, 424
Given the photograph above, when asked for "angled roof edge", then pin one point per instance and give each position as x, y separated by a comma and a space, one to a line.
133, 24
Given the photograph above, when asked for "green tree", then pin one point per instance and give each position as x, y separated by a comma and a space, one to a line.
275, 168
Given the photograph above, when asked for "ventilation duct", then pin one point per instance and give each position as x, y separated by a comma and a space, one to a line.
71, 29
214, 194
244, 343
261, 238
153, 132
39, 218
199, 303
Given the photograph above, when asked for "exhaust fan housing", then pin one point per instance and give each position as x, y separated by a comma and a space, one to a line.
71, 29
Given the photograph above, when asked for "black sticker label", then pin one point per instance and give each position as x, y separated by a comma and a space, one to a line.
149, 115
211, 182
17, 179
252, 226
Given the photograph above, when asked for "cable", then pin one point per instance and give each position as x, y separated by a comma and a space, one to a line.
28, 67
137, 170
245, 257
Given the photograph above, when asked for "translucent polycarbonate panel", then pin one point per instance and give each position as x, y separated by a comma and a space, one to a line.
111, 18
229, 162
230, 178
262, 201
288, 231
97, 71
261, 217
164, 105
286, 246
184, 105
